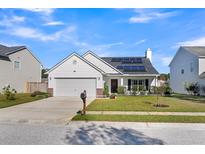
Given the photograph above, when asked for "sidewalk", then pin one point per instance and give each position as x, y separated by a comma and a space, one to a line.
146, 113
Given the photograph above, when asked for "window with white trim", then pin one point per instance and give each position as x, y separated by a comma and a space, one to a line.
17, 65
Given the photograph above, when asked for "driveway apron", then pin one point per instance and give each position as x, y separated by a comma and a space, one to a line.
53, 110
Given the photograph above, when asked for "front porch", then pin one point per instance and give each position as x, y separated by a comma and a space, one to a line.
128, 82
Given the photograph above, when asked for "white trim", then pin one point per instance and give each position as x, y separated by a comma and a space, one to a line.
68, 57
96, 56
132, 75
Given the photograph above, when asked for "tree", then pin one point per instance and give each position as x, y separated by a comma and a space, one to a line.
43, 71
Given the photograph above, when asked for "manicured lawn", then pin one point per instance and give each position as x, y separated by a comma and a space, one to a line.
20, 98
141, 118
177, 103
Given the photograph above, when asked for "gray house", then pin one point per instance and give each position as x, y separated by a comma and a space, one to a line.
17, 67
187, 66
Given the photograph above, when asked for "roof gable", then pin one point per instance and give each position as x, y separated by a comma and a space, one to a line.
115, 70
198, 51
68, 57
6, 51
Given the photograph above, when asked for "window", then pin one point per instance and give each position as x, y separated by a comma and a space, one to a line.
74, 62
16, 65
182, 71
138, 83
141, 82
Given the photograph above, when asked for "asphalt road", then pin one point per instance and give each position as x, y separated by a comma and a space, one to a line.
102, 133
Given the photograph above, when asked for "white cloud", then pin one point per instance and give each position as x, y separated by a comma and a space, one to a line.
98, 47
194, 42
10, 21
46, 15
166, 60
32, 33
146, 16
45, 11
54, 23
140, 42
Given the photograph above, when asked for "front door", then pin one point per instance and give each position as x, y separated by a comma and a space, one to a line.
114, 85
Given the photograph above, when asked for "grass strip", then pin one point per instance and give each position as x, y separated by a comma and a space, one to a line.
141, 118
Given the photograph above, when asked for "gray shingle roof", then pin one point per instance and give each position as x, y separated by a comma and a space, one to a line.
149, 69
196, 50
5, 51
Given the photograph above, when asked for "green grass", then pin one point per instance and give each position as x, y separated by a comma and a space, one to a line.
20, 99
141, 118
177, 103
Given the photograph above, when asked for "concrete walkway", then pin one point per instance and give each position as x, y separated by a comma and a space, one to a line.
146, 113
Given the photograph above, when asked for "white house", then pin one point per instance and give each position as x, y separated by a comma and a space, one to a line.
17, 67
187, 66
90, 72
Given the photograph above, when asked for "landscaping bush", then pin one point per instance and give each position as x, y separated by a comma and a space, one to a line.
106, 90
112, 96
193, 88
9, 93
134, 89
167, 90
35, 93
121, 90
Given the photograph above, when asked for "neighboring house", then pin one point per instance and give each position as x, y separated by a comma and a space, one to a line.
90, 72
17, 67
187, 66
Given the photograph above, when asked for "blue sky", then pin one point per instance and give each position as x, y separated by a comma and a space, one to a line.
52, 34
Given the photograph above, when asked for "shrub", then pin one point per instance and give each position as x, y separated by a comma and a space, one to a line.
9, 93
121, 90
35, 93
167, 90
141, 88
193, 88
106, 90
134, 89
112, 96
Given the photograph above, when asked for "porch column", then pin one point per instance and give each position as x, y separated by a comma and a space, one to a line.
121, 81
156, 81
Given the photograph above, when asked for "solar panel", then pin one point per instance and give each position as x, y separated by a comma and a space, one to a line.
131, 60
116, 59
131, 68
120, 67
127, 60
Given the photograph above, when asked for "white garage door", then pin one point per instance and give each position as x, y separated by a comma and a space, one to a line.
73, 87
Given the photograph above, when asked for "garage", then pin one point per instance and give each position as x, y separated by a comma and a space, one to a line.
74, 86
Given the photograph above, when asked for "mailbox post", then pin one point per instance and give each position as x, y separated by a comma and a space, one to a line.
83, 96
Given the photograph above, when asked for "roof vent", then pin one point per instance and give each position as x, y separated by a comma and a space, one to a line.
148, 54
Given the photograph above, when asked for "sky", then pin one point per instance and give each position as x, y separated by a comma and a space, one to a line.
53, 34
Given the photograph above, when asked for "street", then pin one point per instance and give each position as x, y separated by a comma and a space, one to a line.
123, 133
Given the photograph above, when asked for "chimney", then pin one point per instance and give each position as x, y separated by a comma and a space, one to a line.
148, 54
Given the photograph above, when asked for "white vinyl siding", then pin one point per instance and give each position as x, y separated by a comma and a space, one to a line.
100, 64
17, 65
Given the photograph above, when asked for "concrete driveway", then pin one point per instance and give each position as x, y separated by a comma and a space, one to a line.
53, 110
